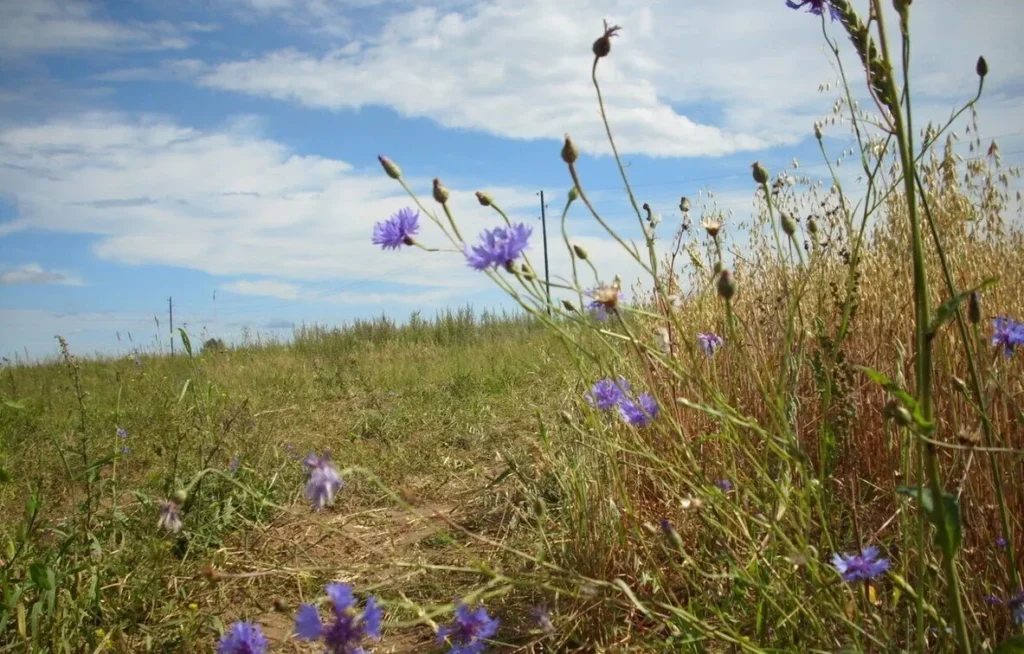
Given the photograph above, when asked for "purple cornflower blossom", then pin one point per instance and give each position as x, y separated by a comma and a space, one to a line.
865, 565
724, 485
398, 230
1016, 606
815, 7
709, 343
605, 297
324, 480
640, 411
121, 433
1007, 333
124, 449
1001, 543
994, 600
468, 631
499, 246
243, 638
349, 629
607, 393
170, 517
138, 362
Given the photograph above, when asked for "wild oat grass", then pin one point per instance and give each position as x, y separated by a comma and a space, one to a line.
800, 433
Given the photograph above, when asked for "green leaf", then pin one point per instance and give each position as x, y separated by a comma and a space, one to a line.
12, 404
1012, 645
184, 389
891, 386
951, 510
41, 575
949, 308
186, 341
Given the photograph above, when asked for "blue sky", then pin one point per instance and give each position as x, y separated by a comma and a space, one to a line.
223, 152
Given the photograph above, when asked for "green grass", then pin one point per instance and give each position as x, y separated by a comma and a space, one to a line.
433, 409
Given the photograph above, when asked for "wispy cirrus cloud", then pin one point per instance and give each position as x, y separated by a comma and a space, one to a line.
32, 273
38, 26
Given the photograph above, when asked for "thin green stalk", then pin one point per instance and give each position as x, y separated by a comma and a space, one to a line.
975, 378
922, 318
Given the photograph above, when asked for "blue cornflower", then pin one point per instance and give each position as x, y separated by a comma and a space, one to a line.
350, 628
994, 600
1016, 606
605, 298
865, 565
124, 449
243, 638
709, 342
1001, 543
638, 412
1007, 333
324, 480
499, 246
397, 230
724, 485
468, 631
121, 433
607, 393
815, 7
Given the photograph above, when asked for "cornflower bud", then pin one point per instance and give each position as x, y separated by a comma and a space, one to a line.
726, 285
569, 152
603, 45
981, 67
974, 308
580, 252
484, 199
390, 167
440, 192
760, 174
788, 224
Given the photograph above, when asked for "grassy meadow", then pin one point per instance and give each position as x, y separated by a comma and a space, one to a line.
803, 431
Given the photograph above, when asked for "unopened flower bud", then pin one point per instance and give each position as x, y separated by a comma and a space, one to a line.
817, 131
569, 306
569, 152
390, 167
895, 411
566, 417
788, 224
981, 67
179, 496
812, 225
974, 308
717, 268
580, 252
760, 174
603, 45
484, 199
574, 194
684, 204
726, 285
440, 192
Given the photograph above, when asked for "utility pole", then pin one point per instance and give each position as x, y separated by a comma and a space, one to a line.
544, 228
170, 317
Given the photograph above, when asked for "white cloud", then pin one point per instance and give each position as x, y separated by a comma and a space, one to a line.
683, 79
265, 288
231, 202
34, 26
32, 273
